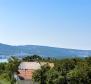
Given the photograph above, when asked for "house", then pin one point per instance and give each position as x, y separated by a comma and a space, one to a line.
26, 69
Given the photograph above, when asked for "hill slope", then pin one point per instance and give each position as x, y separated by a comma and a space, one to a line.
9, 50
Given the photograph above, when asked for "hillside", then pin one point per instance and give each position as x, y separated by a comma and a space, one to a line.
8, 50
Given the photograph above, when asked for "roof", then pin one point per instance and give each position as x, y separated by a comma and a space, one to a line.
29, 65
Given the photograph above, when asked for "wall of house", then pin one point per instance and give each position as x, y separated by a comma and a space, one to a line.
26, 74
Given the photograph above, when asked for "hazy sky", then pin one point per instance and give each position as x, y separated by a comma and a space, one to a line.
58, 23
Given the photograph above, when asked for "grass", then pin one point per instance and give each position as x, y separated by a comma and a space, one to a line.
4, 81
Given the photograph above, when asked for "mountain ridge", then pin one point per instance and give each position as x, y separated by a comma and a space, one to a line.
45, 51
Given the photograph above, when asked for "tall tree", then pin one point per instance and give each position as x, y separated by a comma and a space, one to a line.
12, 67
41, 75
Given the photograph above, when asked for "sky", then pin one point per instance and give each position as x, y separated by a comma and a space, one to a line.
56, 23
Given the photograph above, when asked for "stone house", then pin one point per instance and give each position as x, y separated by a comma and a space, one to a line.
26, 69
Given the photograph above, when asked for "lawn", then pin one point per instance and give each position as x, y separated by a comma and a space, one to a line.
4, 82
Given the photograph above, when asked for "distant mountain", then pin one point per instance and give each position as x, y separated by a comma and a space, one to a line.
8, 50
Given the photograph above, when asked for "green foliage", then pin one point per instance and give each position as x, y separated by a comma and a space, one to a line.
12, 67
80, 74
2, 67
41, 75
65, 71
68, 71
53, 77
32, 58
8, 69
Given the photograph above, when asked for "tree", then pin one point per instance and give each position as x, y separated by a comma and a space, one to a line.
2, 67
41, 75
54, 77
32, 58
12, 67
81, 74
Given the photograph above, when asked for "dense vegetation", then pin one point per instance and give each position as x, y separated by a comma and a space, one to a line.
65, 71
7, 71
